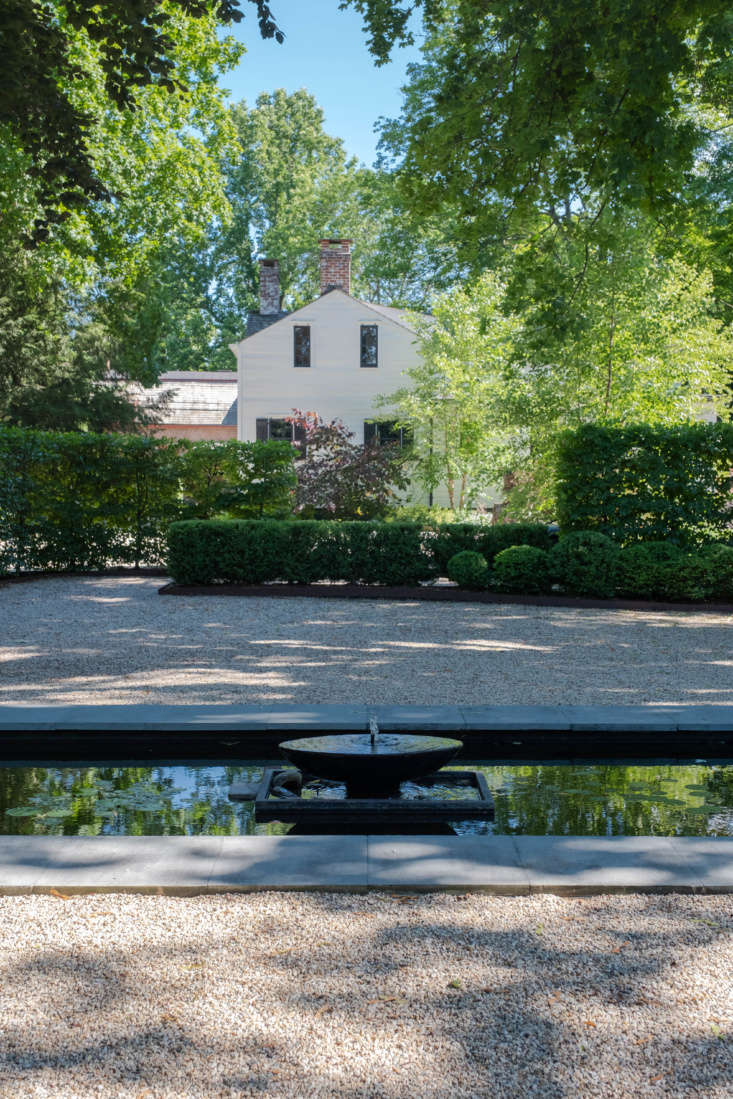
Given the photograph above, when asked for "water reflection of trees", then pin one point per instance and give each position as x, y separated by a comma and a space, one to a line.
133, 801
531, 800
612, 800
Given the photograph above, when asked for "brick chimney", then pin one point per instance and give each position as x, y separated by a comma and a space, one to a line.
269, 287
335, 265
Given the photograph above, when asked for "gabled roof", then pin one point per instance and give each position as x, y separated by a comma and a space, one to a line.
399, 316
257, 322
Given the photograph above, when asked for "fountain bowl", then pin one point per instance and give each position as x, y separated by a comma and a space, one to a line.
369, 767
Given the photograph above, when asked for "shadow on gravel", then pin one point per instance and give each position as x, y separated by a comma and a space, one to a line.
114, 639
435, 996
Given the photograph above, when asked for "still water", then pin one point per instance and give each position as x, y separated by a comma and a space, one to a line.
606, 799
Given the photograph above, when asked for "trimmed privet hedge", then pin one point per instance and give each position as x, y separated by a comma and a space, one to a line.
317, 549
77, 501
254, 551
646, 483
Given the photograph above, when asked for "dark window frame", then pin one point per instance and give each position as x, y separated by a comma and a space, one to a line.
295, 435
384, 432
300, 354
365, 349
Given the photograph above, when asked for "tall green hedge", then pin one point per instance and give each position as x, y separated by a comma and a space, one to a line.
72, 501
647, 483
251, 552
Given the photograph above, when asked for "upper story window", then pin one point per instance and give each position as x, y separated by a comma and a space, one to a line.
302, 345
368, 345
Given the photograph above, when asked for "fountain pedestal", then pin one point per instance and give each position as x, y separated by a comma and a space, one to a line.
372, 766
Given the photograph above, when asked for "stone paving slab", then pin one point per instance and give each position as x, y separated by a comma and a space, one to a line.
231, 718
445, 862
616, 862
511, 865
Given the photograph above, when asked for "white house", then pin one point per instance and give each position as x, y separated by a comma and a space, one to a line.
333, 356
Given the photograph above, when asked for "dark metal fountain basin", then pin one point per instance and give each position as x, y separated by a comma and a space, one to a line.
369, 766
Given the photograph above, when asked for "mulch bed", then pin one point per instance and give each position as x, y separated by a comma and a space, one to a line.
438, 594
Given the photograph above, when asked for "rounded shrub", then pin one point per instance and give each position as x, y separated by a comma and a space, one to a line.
522, 569
722, 558
469, 570
690, 579
585, 563
641, 569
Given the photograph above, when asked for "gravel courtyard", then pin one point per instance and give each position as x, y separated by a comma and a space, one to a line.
68, 640
308, 995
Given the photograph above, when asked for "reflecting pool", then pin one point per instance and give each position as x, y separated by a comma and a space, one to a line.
589, 799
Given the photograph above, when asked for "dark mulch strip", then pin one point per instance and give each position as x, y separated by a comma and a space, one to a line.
443, 594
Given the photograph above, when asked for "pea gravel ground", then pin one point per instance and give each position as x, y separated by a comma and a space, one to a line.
426, 997
349, 996
115, 640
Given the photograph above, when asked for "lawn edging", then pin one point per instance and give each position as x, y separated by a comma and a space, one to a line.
433, 594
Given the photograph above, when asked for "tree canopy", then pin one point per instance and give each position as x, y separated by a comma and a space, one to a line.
134, 47
537, 106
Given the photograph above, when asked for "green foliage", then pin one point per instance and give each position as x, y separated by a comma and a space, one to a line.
690, 578
253, 552
469, 570
448, 539
432, 517
585, 563
522, 569
245, 480
517, 108
722, 559
642, 569
456, 391
83, 501
134, 43
646, 483
71, 501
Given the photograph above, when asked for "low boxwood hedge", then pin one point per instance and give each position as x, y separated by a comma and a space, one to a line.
252, 551
303, 551
583, 563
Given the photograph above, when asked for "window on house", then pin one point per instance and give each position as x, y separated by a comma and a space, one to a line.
385, 432
302, 345
368, 345
281, 429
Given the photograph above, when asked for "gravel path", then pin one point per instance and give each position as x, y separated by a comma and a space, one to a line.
308, 995
67, 640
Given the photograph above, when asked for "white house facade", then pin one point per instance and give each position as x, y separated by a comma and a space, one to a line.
334, 356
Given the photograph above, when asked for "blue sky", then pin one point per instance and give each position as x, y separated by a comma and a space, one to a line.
324, 51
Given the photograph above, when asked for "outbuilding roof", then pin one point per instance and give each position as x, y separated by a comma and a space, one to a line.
194, 397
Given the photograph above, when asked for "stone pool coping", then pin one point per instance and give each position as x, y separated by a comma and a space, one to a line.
502, 731
502, 865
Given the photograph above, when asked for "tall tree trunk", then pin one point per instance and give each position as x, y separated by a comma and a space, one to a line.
609, 371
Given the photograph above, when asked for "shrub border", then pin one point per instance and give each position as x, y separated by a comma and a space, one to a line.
430, 594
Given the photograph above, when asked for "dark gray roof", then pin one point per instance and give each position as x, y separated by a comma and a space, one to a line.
199, 376
193, 397
257, 321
